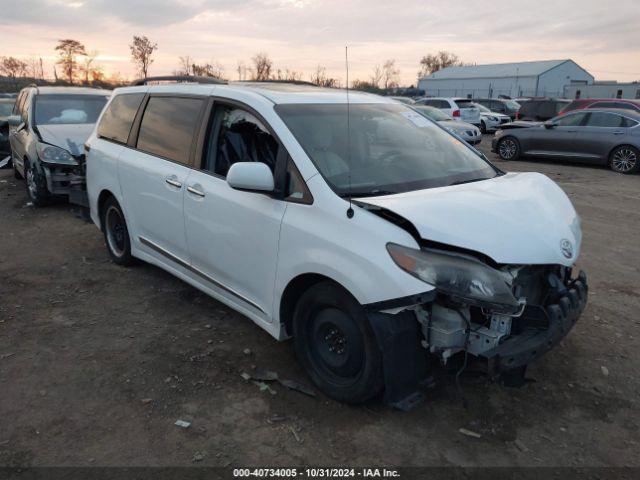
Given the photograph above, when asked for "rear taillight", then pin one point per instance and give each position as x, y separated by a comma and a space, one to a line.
456, 113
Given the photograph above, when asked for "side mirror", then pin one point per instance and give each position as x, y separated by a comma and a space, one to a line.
15, 121
251, 176
549, 124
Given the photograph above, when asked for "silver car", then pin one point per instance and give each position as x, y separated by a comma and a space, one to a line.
601, 136
469, 133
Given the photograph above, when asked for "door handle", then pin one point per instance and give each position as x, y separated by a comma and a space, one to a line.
173, 183
195, 192
618, 132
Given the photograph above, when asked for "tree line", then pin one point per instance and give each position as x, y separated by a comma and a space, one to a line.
77, 65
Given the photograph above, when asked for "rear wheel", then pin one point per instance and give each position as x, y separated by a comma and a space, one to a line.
36, 185
116, 234
336, 345
625, 159
483, 127
509, 149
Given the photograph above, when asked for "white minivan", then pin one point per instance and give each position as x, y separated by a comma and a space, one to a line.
348, 221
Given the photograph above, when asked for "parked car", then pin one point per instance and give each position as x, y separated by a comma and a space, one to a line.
602, 103
6, 107
374, 246
541, 110
500, 105
47, 131
603, 136
491, 121
461, 109
469, 133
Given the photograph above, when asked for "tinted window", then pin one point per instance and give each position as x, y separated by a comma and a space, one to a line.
5, 108
546, 110
238, 136
390, 149
627, 122
559, 106
615, 105
68, 109
169, 126
602, 119
118, 117
570, 120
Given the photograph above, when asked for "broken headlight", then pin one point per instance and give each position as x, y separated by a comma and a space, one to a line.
50, 154
462, 278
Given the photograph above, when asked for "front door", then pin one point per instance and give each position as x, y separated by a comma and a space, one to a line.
18, 136
559, 140
233, 235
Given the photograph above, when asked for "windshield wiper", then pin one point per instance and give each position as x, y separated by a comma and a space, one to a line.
367, 193
460, 182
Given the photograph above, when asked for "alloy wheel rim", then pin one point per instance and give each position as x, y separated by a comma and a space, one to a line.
624, 160
507, 149
116, 230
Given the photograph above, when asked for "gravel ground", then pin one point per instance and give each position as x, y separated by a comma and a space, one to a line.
97, 363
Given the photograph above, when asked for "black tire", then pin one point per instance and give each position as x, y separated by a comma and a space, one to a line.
116, 233
336, 345
483, 127
36, 186
508, 149
625, 159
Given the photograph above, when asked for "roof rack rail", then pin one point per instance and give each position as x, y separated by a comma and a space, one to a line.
274, 80
178, 79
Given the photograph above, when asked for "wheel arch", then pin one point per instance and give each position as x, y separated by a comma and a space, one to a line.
292, 293
609, 155
105, 194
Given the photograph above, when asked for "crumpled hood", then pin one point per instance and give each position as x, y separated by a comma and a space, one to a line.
70, 137
517, 218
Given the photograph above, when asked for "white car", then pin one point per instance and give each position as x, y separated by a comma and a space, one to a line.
491, 121
364, 231
461, 109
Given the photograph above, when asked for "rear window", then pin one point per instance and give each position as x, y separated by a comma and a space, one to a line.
465, 104
118, 117
169, 126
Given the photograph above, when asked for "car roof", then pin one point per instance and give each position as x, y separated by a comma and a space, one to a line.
71, 91
276, 92
620, 111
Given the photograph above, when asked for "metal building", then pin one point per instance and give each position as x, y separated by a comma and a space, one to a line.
609, 89
547, 78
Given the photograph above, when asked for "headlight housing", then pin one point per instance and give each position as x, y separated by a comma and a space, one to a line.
464, 279
51, 154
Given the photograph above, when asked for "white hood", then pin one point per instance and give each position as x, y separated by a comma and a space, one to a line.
517, 218
70, 137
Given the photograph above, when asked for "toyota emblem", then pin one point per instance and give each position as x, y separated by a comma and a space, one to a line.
566, 247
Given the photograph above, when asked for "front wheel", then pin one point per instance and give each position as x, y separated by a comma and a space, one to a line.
336, 345
509, 149
625, 159
36, 186
483, 128
116, 233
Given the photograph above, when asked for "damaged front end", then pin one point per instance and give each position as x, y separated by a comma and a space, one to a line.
65, 173
504, 316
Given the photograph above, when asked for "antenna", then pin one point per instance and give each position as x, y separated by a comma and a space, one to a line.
350, 211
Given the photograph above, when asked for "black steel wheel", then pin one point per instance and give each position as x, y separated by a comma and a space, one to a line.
116, 234
336, 345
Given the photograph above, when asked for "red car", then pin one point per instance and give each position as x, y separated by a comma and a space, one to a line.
582, 103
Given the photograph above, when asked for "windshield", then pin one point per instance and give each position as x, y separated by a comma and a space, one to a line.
482, 108
393, 148
6, 108
512, 105
68, 109
433, 113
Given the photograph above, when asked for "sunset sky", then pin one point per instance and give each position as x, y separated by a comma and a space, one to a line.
602, 37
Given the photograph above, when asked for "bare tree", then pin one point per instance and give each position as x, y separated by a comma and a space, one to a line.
376, 77
186, 64
141, 51
214, 69
34, 68
390, 74
68, 49
319, 77
88, 65
288, 75
244, 72
13, 67
443, 59
262, 67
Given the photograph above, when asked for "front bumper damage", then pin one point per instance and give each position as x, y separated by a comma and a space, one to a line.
402, 339
68, 180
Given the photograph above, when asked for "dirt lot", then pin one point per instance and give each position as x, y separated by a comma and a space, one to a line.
97, 362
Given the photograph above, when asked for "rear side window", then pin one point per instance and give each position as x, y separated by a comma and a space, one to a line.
627, 122
602, 119
169, 126
118, 117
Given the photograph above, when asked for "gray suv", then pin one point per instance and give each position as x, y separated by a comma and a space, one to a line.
47, 131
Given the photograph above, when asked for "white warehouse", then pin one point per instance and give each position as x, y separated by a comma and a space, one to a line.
546, 78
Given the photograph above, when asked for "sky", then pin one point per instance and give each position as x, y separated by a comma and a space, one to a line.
602, 37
